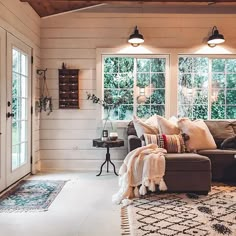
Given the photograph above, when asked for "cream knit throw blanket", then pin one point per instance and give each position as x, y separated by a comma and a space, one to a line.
143, 168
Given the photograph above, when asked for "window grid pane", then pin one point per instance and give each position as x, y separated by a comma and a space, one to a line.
138, 82
206, 83
19, 107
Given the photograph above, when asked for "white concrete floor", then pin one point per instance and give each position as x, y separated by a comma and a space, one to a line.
82, 208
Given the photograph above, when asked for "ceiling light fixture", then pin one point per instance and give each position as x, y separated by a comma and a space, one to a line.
136, 38
215, 38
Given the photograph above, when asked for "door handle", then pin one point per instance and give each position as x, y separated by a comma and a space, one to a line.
10, 114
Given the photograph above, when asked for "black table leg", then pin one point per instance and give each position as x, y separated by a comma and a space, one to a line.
113, 167
108, 159
101, 167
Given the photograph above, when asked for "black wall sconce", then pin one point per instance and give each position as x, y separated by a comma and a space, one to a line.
136, 38
215, 38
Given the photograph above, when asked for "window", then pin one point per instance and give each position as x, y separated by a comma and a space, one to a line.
139, 81
207, 88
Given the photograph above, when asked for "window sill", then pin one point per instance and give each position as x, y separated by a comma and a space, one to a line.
120, 124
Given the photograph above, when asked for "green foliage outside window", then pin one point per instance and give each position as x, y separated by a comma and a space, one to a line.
199, 89
125, 75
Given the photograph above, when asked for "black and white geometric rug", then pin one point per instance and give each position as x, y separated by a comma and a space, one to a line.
173, 214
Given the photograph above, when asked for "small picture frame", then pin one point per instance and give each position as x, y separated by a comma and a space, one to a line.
104, 135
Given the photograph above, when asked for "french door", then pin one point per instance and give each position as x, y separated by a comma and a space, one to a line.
17, 104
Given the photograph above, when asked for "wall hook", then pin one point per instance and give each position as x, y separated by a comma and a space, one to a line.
42, 73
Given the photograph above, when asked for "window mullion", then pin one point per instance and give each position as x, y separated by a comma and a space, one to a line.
135, 87
209, 87
225, 90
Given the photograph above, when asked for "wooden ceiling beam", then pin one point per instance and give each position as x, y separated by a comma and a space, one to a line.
141, 1
52, 7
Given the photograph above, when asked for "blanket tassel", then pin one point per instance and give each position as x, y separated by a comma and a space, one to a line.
162, 185
142, 190
152, 186
136, 192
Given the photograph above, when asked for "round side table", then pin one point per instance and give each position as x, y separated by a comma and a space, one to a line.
108, 144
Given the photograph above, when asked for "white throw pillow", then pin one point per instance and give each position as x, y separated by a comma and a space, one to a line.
149, 126
200, 136
167, 126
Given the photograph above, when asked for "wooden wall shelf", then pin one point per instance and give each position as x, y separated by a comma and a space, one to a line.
69, 88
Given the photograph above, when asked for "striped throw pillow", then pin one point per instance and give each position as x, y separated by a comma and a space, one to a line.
172, 143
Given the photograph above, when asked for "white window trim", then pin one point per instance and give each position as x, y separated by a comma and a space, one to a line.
172, 89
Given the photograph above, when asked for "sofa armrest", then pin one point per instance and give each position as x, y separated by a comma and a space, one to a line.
133, 142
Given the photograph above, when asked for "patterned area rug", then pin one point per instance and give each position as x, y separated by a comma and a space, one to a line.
31, 195
182, 214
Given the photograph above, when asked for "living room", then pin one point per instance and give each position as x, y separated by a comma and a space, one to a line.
81, 39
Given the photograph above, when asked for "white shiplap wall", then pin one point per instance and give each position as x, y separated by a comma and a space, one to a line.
22, 21
66, 135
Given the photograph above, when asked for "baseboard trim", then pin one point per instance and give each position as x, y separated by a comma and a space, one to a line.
77, 165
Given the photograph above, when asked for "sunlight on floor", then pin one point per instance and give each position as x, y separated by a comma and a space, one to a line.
82, 208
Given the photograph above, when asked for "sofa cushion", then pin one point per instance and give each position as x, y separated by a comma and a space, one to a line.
219, 152
200, 136
220, 130
234, 126
149, 126
187, 162
223, 164
167, 126
229, 143
131, 130
172, 143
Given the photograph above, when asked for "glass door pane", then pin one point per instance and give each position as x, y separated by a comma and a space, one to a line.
19, 108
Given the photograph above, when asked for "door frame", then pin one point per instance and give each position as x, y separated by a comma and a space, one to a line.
3, 36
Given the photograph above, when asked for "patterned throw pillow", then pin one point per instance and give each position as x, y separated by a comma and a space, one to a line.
172, 143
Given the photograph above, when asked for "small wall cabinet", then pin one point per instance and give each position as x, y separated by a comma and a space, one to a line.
69, 88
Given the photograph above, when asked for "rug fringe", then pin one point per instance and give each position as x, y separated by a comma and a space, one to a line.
125, 228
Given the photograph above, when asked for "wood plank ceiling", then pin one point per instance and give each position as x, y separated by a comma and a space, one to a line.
51, 7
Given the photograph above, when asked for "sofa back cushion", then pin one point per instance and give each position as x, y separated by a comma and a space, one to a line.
234, 126
229, 143
131, 130
221, 130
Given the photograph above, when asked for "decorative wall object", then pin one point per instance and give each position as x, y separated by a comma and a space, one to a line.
45, 100
68, 88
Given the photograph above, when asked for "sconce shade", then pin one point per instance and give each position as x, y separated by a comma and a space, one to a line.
136, 38
215, 38
141, 98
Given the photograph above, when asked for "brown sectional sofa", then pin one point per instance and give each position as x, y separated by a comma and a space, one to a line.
193, 172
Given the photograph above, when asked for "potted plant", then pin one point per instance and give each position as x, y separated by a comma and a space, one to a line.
108, 105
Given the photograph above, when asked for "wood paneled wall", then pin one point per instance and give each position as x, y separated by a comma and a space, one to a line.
21, 20
66, 135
